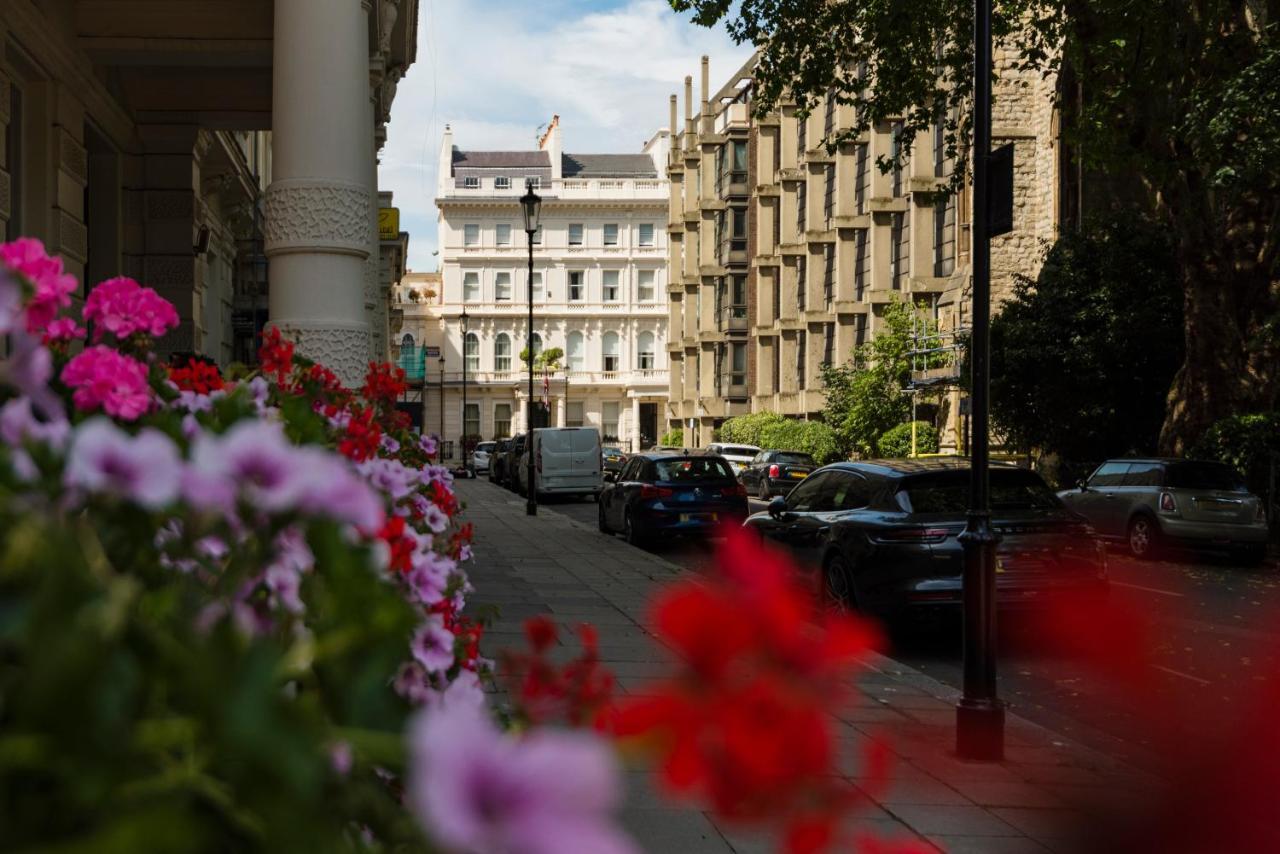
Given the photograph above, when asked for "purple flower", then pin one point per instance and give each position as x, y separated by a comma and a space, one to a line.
413, 683
390, 445
28, 368
436, 519
389, 476
340, 758
19, 424
427, 444
465, 690
329, 487
145, 468
285, 585
476, 790
432, 645
254, 456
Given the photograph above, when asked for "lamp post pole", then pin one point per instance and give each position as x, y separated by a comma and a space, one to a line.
531, 203
462, 440
442, 408
980, 714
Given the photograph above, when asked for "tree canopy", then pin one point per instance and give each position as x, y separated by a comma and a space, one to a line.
1172, 103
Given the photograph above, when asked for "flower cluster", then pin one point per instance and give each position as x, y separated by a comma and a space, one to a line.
197, 376
104, 378
124, 308
577, 692
744, 724
51, 287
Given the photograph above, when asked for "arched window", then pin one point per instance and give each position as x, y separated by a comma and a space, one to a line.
502, 353
609, 349
407, 340
472, 352
537, 345
576, 356
645, 351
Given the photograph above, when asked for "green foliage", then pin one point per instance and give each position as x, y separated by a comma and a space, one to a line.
896, 442
811, 437
125, 727
749, 429
673, 438
1083, 357
546, 360
1247, 442
865, 396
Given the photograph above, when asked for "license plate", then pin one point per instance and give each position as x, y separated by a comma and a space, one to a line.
689, 517
797, 474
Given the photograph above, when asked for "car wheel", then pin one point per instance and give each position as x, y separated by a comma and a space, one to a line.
763, 492
631, 532
602, 522
837, 586
1144, 536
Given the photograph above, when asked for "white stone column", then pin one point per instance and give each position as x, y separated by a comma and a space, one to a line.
635, 425
371, 278
319, 205
562, 413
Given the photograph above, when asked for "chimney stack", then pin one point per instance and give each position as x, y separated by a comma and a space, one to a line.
688, 111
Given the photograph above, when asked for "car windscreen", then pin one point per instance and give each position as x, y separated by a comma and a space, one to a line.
739, 450
486, 446
948, 492
1197, 475
692, 470
794, 459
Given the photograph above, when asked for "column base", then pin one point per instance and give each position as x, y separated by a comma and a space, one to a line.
341, 347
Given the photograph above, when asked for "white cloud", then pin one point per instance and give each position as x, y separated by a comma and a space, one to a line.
497, 69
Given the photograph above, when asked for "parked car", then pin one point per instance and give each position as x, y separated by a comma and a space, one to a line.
1153, 503
773, 472
480, 456
566, 461
671, 495
612, 459
514, 452
739, 456
498, 460
882, 536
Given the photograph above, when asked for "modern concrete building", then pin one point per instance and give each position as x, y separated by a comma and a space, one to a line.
782, 256
223, 152
599, 290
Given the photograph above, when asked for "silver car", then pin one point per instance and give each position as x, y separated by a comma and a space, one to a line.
1153, 503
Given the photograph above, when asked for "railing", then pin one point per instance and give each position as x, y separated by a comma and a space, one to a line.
643, 187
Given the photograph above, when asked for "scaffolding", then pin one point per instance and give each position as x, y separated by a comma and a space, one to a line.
937, 357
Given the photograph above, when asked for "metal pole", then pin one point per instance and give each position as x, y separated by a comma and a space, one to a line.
980, 714
442, 409
531, 502
462, 441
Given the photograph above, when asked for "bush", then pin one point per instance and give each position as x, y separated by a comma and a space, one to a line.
672, 437
1246, 442
749, 429
814, 438
896, 442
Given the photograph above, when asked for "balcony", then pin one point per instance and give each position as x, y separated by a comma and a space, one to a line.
732, 318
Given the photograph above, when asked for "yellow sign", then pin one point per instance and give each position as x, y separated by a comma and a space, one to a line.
388, 223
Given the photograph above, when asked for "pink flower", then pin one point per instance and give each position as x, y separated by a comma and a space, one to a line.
123, 307
53, 287
103, 377
63, 329
433, 645
145, 469
476, 790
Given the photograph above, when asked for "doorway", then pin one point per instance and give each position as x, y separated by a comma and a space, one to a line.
648, 425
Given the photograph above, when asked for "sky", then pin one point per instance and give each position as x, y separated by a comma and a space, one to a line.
497, 69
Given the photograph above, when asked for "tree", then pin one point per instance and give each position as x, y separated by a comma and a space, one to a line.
1177, 98
896, 442
814, 438
1083, 357
546, 360
866, 396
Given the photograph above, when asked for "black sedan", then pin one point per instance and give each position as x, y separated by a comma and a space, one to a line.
776, 472
671, 495
612, 459
882, 536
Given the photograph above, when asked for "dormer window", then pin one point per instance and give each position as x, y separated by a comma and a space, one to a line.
502, 182
470, 183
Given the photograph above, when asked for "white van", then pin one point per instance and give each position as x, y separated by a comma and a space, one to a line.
566, 461
739, 456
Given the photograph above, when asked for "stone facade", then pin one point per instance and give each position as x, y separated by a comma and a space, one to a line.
831, 242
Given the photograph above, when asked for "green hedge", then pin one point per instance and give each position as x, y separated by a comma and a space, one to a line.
896, 442
672, 437
812, 437
749, 429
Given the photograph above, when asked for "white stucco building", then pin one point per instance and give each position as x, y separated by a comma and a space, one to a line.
599, 290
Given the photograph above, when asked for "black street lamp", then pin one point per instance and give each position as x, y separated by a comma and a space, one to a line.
442, 409
465, 356
980, 714
531, 203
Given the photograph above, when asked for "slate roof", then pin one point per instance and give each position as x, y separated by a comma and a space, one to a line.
501, 159
608, 166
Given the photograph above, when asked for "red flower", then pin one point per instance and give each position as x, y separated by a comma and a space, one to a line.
276, 355
363, 437
393, 534
744, 722
577, 693
383, 384
196, 376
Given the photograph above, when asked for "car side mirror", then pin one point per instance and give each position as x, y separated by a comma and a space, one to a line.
778, 507
1084, 487
609, 477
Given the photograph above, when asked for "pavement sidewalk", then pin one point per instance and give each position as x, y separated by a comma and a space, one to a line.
1034, 801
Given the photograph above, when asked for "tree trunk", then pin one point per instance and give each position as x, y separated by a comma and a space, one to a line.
1232, 361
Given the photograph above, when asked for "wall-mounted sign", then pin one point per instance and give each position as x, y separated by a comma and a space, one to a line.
388, 223
432, 352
